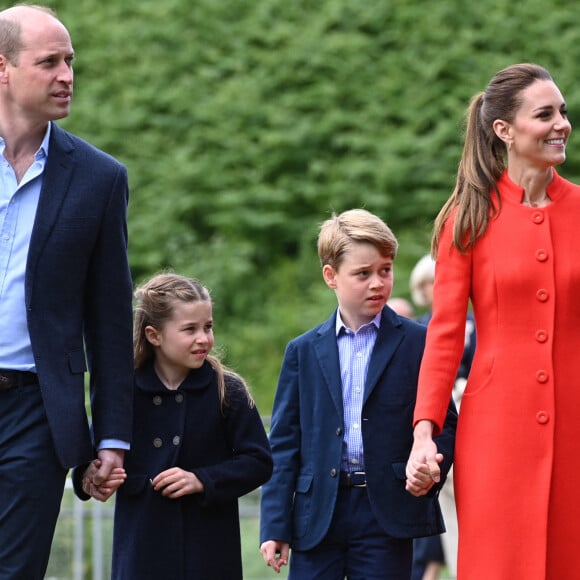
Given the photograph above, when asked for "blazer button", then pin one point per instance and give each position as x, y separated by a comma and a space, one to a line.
176, 440
541, 255
339, 431
333, 472
157, 442
157, 400
542, 376
541, 335
179, 398
542, 295
542, 417
537, 217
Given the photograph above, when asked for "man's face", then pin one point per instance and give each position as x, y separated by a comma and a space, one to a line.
39, 86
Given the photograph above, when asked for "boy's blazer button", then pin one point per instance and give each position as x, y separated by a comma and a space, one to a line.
157, 442
339, 431
157, 400
333, 472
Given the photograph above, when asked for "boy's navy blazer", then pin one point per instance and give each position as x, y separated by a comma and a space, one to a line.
78, 294
307, 432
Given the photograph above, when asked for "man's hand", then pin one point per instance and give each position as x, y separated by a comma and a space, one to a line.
106, 489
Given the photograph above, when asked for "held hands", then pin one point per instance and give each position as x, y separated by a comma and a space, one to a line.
275, 554
423, 465
104, 490
176, 482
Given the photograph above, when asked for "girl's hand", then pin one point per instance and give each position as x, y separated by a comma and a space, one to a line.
176, 482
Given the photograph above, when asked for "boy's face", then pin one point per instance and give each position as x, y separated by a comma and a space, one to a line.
363, 283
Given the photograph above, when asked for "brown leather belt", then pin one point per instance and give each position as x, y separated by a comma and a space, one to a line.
9, 379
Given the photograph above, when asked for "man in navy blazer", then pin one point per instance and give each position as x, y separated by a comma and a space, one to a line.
65, 293
342, 424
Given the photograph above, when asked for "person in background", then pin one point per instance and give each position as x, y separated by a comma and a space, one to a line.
342, 424
430, 554
65, 293
507, 240
198, 445
401, 306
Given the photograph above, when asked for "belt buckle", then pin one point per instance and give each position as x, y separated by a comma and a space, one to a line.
360, 473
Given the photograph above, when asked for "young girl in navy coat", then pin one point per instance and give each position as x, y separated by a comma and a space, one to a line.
198, 444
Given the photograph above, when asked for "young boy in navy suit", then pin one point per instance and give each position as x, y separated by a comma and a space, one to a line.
341, 427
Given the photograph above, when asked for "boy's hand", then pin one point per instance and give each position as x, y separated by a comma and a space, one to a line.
423, 465
176, 482
275, 554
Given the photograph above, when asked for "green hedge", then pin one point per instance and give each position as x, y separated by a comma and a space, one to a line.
244, 123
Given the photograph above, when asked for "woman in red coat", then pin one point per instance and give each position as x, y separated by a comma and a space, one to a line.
508, 240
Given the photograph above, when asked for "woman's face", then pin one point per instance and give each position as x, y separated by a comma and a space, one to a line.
540, 130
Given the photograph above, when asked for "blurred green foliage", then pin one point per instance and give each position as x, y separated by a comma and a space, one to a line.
244, 123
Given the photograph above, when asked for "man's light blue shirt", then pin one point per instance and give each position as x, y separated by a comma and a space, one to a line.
18, 205
354, 351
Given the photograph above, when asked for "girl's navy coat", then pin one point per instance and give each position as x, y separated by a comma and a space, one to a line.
196, 536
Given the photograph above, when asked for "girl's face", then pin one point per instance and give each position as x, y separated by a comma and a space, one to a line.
186, 339
541, 127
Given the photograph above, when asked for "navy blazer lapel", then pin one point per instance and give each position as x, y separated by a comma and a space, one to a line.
55, 182
326, 349
389, 336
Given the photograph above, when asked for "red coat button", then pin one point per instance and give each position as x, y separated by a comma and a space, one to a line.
537, 217
542, 376
542, 295
541, 335
542, 417
541, 255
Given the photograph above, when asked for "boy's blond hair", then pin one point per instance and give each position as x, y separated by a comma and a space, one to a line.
340, 232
